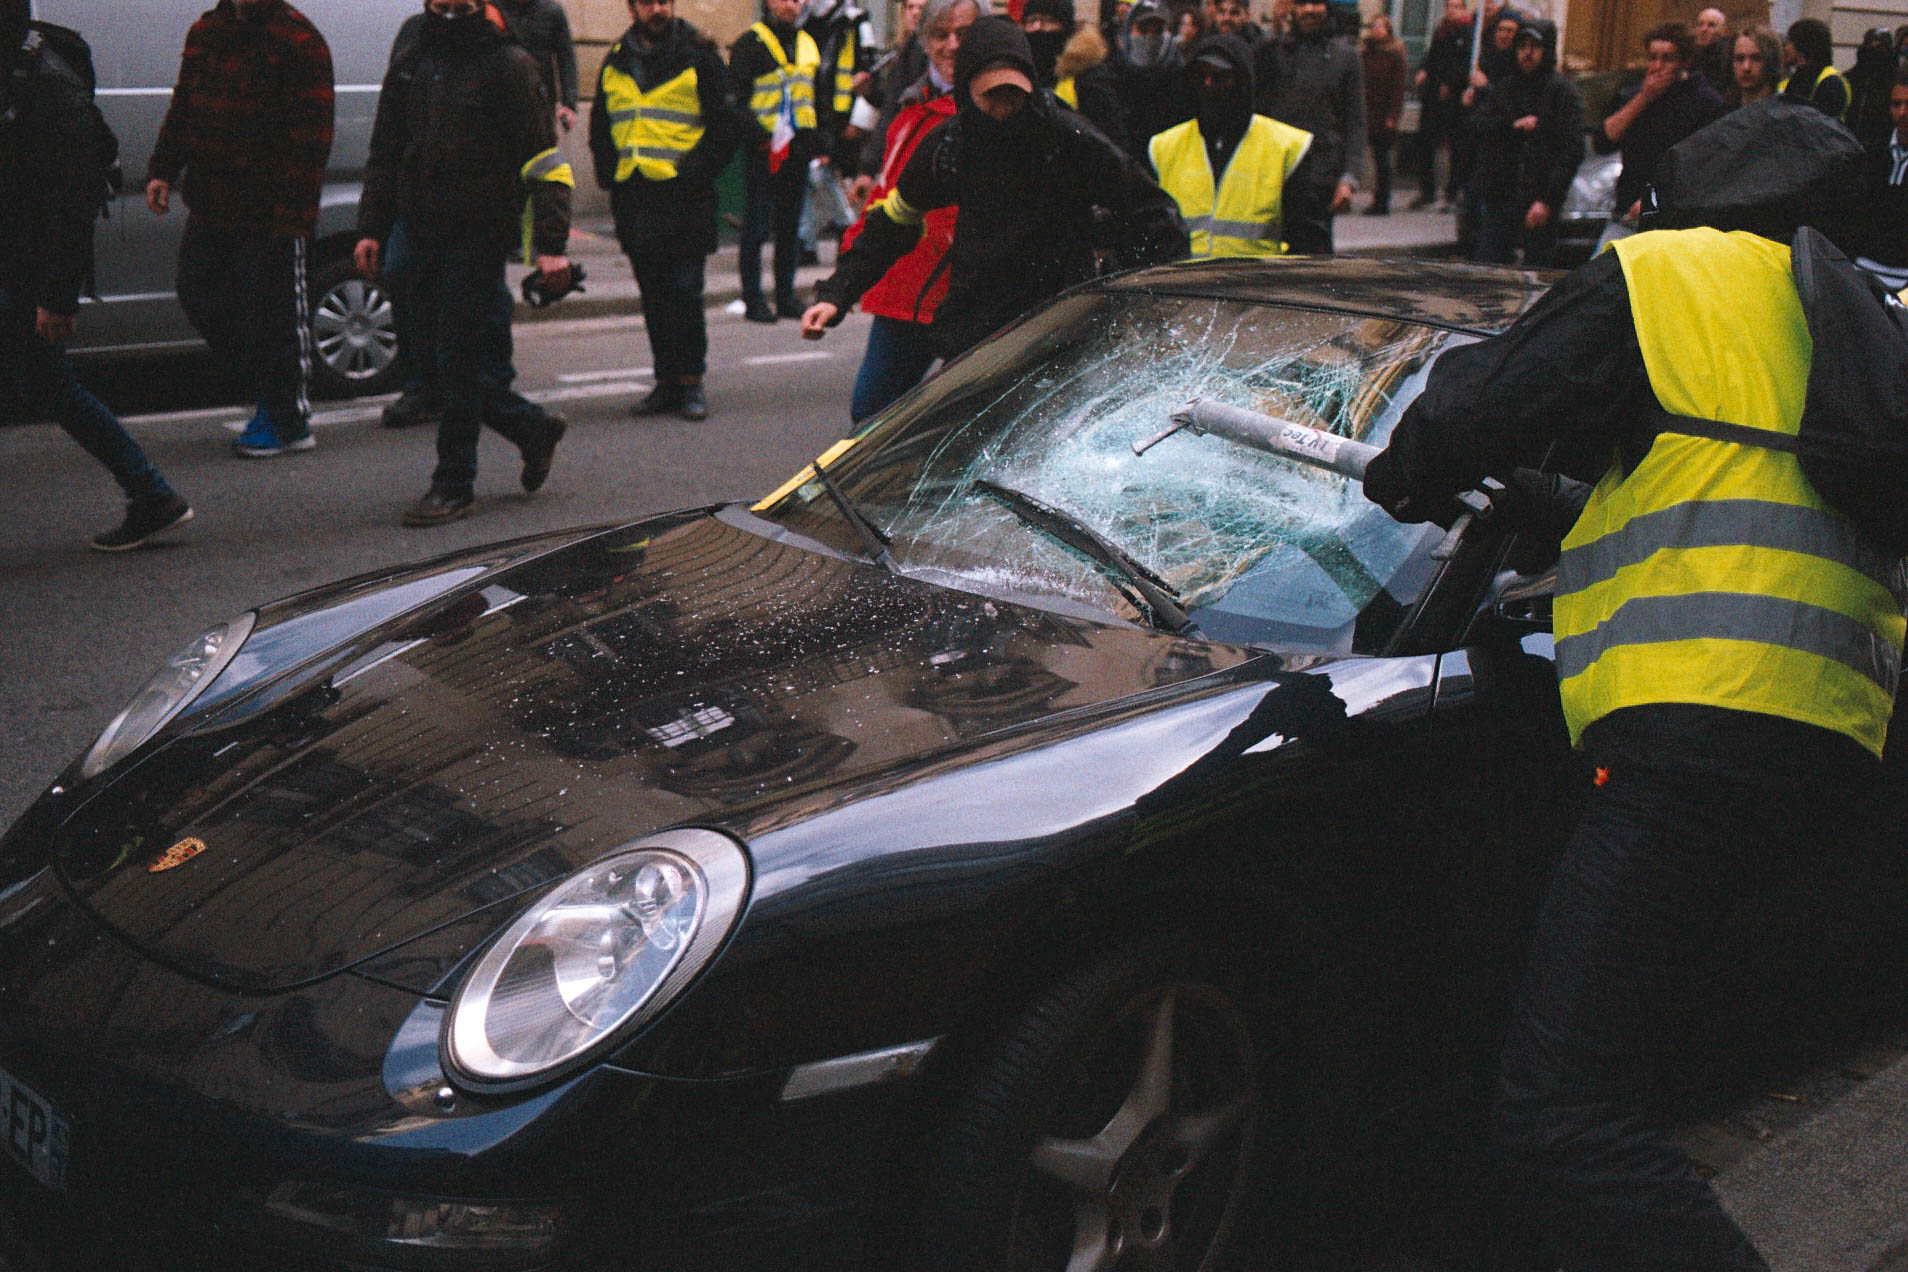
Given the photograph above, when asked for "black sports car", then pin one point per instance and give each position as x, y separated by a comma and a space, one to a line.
964, 856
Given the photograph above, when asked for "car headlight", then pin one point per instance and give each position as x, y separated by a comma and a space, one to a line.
609, 947
184, 677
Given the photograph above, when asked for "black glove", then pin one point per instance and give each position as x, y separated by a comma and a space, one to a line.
1385, 486
1541, 508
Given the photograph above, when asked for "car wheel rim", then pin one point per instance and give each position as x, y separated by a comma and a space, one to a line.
1152, 1186
355, 330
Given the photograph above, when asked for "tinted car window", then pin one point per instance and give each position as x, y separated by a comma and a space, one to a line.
1261, 550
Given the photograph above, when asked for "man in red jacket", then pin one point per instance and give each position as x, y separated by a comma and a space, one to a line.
249, 131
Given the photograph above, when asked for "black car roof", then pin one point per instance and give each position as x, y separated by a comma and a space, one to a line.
1474, 298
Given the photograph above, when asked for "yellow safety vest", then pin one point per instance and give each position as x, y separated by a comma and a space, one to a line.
1247, 219
797, 80
1068, 91
1713, 573
844, 74
549, 166
652, 131
1847, 95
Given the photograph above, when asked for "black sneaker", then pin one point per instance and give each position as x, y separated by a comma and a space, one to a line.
758, 310
410, 410
144, 519
536, 459
664, 399
437, 507
695, 405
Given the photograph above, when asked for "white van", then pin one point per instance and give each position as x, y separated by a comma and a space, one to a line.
136, 47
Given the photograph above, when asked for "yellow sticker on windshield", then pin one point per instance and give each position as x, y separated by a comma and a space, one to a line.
805, 476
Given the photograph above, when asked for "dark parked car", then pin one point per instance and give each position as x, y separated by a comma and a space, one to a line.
1007, 851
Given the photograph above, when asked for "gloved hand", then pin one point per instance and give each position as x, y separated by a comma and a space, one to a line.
1385, 486
1541, 508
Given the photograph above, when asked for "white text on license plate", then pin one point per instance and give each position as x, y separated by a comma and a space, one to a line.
33, 1132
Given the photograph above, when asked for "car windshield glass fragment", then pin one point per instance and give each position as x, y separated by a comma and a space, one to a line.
1263, 550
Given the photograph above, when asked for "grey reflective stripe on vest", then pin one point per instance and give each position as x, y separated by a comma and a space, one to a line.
1231, 229
660, 152
1728, 523
1766, 620
544, 165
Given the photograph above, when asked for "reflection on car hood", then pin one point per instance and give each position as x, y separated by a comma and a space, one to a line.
678, 671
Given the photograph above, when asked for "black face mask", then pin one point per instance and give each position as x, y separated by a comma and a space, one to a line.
1046, 46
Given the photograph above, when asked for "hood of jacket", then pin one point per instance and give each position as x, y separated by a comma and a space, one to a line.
1545, 32
1229, 116
1141, 53
1084, 50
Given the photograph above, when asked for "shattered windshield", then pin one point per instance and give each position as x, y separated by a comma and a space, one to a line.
1258, 549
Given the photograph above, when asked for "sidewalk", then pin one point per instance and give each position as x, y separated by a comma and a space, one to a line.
611, 288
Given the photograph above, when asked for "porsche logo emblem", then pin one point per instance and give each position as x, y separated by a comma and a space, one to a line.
177, 855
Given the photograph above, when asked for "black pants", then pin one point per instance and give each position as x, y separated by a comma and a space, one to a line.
671, 285
1701, 809
246, 294
772, 212
1381, 144
455, 285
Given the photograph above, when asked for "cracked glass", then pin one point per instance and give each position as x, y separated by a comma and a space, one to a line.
1259, 549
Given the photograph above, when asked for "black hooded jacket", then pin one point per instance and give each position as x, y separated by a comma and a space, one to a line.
1037, 193
460, 115
51, 191
1521, 167
1305, 203
680, 215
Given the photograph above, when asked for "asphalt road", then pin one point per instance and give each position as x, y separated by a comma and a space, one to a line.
84, 629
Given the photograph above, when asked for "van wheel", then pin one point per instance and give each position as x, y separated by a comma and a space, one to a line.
1114, 1128
353, 331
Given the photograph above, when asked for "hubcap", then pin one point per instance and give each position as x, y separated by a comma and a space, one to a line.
355, 330
1152, 1190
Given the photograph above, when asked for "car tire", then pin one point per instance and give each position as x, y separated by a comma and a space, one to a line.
353, 331
1115, 1126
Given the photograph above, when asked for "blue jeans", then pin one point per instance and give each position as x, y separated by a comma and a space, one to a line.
417, 326
671, 287
899, 354
44, 377
454, 287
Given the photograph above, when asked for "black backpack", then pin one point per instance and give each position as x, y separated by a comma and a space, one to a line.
1853, 442
72, 52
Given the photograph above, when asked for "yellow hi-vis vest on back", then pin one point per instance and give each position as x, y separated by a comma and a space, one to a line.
652, 131
1245, 219
796, 78
842, 79
1847, 94
1713, 573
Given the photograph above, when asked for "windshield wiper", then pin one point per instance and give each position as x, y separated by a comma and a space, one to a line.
1160, 599
872, 539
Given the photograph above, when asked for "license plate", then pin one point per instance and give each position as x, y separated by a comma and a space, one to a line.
33, 1132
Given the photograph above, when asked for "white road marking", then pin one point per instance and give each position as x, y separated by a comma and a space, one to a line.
770, 359
625, 373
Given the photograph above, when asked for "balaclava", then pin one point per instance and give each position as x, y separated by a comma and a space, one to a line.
1010, 143
1046, 45
1223, 116
1145, 52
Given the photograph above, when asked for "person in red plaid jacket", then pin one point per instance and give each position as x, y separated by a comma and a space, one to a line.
249, 130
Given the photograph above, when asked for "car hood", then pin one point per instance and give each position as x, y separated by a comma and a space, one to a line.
680, 671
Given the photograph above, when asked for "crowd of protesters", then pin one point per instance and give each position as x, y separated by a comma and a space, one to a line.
1158, 129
